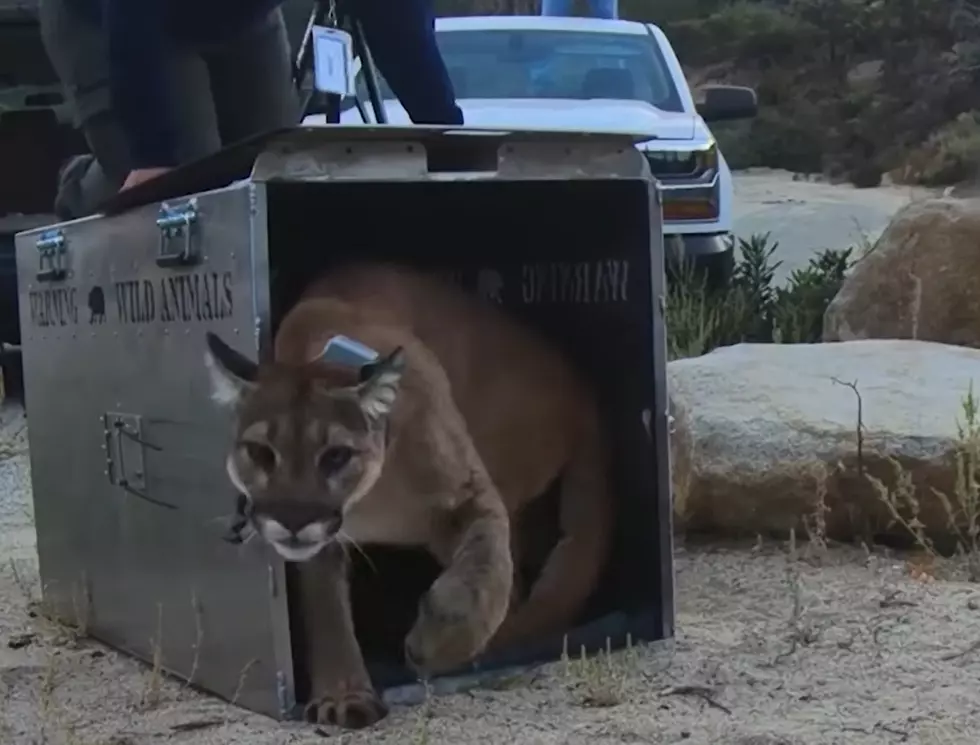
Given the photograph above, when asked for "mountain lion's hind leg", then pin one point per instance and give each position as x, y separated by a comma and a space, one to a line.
468, 601
573, 567
341, 690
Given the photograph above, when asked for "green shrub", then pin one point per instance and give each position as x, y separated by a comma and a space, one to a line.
752, 308
799, 307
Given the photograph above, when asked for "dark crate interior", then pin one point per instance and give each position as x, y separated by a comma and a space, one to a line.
521, 230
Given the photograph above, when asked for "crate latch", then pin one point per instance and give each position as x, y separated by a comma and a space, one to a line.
177, 231
52, 259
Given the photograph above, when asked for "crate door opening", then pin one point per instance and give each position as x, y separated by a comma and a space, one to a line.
580, 261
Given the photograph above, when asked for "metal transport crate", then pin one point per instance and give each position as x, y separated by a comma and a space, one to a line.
127, 451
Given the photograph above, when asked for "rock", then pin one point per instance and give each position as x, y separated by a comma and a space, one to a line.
763, 435
865, 77
921, 280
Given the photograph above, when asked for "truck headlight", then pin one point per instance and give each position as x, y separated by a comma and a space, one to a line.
689, 182
699, 164
698, 203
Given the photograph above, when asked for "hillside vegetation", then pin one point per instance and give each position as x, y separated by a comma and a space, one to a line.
851, 88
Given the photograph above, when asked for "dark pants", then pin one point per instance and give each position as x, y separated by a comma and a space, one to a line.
401, 38
597, 8
229, 91
223, 93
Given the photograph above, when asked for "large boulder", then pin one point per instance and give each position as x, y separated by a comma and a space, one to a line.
765, 436
921, 280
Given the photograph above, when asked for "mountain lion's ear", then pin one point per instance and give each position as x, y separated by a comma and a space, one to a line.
232, 374
380, 386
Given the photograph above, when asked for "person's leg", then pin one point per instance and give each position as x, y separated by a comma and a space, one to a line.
78, 53
401, 37
598, 8
604, 8
76, 49
556, 7
252, 79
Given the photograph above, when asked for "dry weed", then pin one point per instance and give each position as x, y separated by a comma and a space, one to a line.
81, 602
242, 678
901, 499
815, 524
949, 156
420, 733
198, 637
23, 583
962, 510
603, 679
46, 692
152, 693
801, 631
863, 244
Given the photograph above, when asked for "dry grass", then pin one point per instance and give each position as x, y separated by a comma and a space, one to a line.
46, 702
609, 679
151, 696
242, 679
614, 688
421, 732
24, 584
603, 679
961, 509
694, 315
900, 496
950, 155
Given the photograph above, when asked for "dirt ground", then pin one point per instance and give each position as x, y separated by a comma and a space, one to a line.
807, 216
775, 646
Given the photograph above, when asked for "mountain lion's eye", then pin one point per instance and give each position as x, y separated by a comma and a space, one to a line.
335, 458
261, 455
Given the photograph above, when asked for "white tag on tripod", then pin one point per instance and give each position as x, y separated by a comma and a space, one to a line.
333, 61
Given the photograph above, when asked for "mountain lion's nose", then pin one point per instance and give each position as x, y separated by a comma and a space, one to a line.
294, 515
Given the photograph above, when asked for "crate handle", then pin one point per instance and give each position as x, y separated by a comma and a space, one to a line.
176, 223
52, 260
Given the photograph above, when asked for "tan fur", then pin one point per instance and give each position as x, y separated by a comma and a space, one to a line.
487, 414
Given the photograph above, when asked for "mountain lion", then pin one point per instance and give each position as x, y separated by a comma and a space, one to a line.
464, 418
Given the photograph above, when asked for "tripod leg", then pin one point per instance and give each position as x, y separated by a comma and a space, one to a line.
370, 73
303, 61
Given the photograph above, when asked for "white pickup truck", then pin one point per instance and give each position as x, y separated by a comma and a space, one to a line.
597, 75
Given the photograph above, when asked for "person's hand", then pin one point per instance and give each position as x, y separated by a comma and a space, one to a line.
140, 175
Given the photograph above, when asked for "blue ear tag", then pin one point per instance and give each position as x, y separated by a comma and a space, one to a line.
342, 350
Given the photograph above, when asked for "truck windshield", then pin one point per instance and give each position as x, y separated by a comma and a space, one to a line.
525, 63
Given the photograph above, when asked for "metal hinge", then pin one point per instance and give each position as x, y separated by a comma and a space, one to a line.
124, 449
52, 249
177, 225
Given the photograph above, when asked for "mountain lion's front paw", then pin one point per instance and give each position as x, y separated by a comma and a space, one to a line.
351, 707
454, 624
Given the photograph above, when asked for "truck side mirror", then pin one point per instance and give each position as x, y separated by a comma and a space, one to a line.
727, 102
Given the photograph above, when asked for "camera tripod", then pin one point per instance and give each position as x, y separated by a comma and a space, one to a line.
336, 14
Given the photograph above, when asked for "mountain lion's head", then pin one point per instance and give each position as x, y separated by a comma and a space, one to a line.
309, 441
